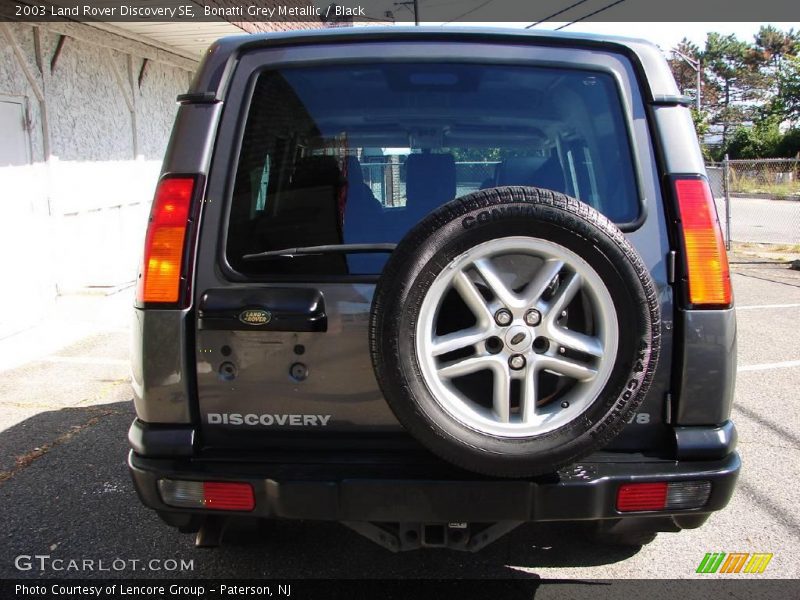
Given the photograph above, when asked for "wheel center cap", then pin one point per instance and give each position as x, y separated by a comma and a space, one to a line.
518, 338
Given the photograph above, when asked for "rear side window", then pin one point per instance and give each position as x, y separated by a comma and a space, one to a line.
359, 153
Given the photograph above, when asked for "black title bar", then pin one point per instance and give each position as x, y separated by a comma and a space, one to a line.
344, 12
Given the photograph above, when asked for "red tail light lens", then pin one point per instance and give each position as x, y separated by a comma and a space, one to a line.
228, 496
160, 276
642, 496
676, 495
211, 495
707, 271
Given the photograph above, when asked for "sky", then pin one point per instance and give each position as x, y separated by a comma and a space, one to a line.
668, 35
665, 35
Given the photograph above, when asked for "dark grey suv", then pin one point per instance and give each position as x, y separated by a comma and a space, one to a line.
434, 284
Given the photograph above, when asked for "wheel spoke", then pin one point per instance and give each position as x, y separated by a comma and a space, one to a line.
529, 394
466, 366
534, 290
567, 366
577, 341
502, 394
564, 295
457, 340
472, 297
489, 274
512, 292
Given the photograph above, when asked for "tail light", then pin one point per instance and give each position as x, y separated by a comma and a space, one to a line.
706, 262
675, 495
163, 268
642, 496
211, 495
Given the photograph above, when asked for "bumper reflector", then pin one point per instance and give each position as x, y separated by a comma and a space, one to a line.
676, 495
211, 495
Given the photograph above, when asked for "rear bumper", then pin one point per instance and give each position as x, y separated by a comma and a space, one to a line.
386, 493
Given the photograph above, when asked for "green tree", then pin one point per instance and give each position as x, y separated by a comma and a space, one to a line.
775, 48
789, 145
737, 86
750, 91
758, 141
786, 103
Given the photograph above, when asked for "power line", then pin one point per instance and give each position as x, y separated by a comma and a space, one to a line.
555, 14
469, 12
591, 14
445, 3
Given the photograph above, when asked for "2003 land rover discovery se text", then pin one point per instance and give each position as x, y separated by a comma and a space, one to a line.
434, 284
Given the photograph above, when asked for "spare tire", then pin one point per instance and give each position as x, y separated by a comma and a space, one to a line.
514, 330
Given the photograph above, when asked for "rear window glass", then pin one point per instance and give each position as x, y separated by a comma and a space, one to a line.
359, 153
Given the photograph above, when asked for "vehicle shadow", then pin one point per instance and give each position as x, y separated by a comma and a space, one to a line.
67, 494
518, 554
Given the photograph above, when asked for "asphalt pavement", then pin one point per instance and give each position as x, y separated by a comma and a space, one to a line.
65, 492
763, 220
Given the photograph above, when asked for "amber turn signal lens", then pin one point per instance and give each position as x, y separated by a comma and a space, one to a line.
706, 260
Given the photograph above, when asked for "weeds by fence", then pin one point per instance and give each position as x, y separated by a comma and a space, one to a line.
775, 177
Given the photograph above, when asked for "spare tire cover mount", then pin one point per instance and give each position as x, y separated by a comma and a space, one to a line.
514, 330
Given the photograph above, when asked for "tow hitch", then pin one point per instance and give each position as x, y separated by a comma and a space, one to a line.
398, 537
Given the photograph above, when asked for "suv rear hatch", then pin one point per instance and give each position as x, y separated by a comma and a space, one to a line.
324, 145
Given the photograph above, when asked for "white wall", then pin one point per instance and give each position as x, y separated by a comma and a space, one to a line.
74, 218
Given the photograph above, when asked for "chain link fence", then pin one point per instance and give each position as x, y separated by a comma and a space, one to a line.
474, 175
758, 201
387, 178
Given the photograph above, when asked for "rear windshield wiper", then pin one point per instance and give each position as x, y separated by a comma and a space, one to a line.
328, 249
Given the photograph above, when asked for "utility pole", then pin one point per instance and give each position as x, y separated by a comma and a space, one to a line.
415, 4
697, 65
699, 71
